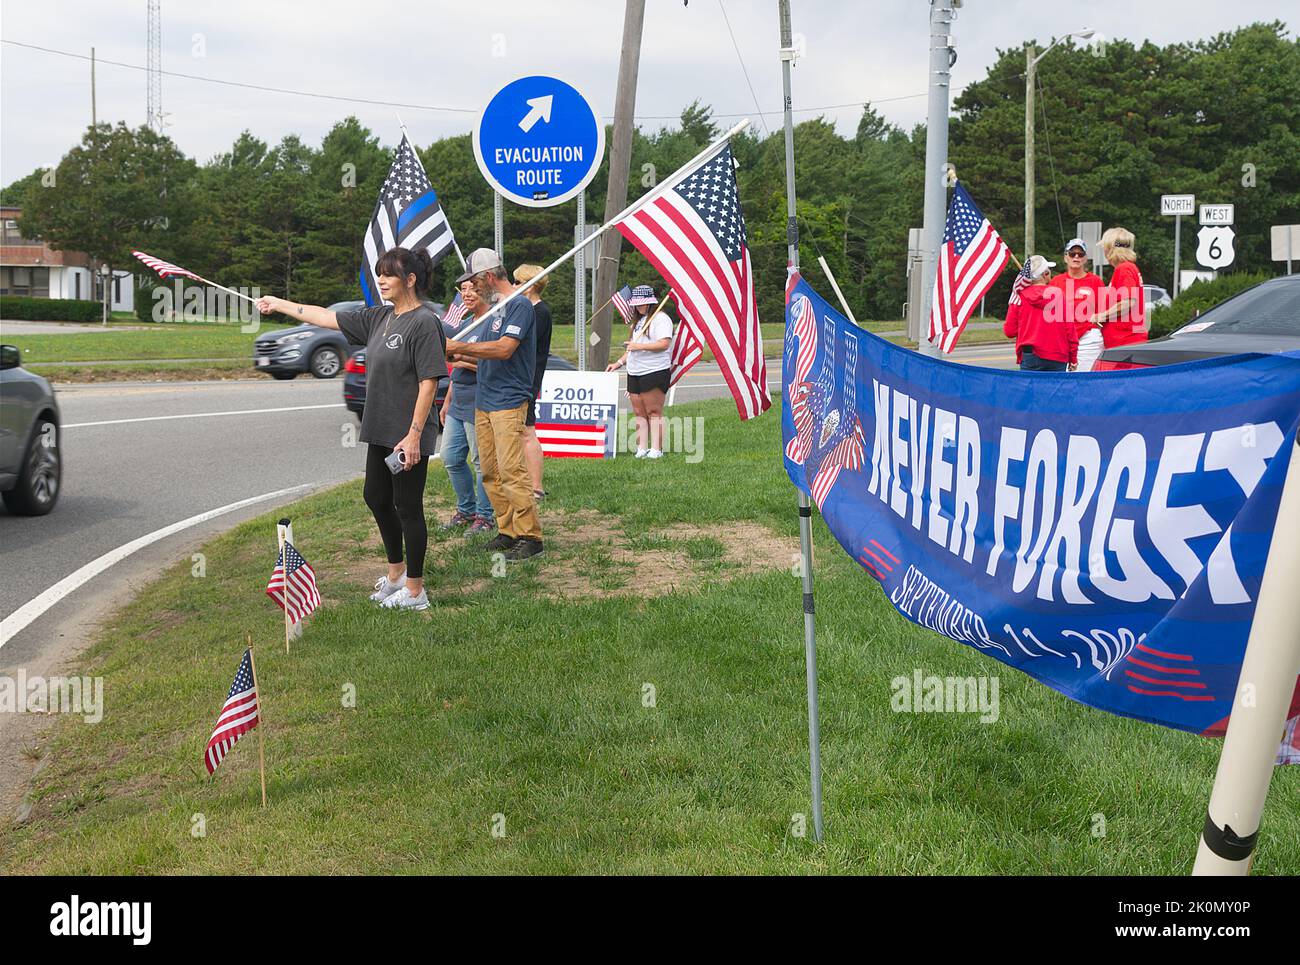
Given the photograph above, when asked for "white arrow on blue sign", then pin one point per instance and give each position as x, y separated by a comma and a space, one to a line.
539, 141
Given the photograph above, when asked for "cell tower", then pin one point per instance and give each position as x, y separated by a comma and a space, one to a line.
153, 65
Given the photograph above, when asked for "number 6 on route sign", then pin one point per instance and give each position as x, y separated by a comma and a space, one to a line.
1214, 246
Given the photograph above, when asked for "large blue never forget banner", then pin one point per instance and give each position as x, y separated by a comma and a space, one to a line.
1105, 533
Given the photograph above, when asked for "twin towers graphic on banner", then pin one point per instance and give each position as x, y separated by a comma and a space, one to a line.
827, 438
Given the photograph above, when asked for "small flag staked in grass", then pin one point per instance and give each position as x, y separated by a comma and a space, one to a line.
293, 584
238, 716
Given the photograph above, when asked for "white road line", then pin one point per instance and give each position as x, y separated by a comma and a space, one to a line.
29, 611
202, 415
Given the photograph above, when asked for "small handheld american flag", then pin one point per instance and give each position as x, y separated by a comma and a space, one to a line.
1022, 279
620, 302
455, 312
238, 716
165, 269
293, 584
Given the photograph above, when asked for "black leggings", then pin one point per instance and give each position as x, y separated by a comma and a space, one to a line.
397, 502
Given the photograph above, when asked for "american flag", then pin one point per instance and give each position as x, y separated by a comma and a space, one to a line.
970, 259
620, 302
408, 215
694, 235
572, 440
301, 597
238, 716
686, 350
1022, 279
165, 269
455, 312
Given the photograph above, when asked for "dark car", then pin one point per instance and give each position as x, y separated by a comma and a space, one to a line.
289, 352
354, 380
31, 467
1264, 318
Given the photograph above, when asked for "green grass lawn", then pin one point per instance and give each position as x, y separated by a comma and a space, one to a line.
521, 700
164, 341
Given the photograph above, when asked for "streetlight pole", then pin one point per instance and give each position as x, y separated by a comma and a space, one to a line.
1031, 78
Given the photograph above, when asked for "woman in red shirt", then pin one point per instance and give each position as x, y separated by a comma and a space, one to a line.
1123, 319
1042, 344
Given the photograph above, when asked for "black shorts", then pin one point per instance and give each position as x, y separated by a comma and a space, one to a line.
530, 417
636, 384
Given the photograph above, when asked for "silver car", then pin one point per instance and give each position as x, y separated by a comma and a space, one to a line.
31, 466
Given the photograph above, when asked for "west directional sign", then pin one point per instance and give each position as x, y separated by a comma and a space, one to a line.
539, 141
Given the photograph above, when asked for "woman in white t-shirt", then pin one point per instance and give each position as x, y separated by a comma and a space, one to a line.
649, 361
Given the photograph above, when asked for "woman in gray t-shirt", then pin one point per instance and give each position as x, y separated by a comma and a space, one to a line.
404, 360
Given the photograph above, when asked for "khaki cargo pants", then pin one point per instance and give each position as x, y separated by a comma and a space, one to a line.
505, 474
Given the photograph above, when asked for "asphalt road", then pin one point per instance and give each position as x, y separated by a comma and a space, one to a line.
142, 457
127, 473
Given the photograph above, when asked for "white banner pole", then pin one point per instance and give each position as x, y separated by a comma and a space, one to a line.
1259, 709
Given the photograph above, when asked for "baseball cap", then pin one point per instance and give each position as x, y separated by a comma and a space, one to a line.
643, 295
1038, 264
479, 260
1075, 243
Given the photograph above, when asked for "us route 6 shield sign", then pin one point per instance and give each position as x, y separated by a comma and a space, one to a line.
1214, 246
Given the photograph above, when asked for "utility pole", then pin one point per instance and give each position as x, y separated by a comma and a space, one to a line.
936, 156
153, 66
620, 161
1032, 57
94, 120
1031, 73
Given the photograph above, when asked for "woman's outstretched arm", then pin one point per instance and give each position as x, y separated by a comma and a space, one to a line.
312, 314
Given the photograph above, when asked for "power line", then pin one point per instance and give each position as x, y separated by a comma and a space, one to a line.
1047, 137
725, 19
428, 107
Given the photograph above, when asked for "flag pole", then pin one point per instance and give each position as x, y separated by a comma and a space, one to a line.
454, 243
627, 212
281, 536
1259, 709
261, 719
805, 504
225, 289
826, 270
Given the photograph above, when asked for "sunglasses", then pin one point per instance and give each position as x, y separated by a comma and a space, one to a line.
1076, 254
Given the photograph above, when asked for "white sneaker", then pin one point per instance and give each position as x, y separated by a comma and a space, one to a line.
655, 454
384, 587
641, 453
402, 600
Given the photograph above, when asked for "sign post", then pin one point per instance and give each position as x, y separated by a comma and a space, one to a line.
1177, 205
1090, 232
1285, 242
538, 143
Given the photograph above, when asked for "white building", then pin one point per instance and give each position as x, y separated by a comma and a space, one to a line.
31, 267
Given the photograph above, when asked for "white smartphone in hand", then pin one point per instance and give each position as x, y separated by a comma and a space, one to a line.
396, 461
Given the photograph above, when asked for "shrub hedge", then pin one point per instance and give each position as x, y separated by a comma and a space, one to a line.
23, 308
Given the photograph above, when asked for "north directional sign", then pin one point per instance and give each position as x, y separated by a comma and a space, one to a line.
1177, 204
539, 141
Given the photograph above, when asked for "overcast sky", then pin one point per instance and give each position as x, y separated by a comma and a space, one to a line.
458, 54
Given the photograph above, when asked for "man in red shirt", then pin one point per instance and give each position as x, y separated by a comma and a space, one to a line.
1042, 344
1076, 296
